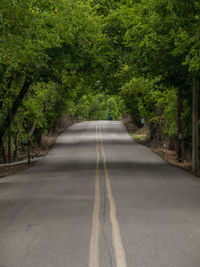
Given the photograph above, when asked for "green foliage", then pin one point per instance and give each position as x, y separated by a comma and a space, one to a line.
153, 102
60, 46
98, 59
40, 105
99, 107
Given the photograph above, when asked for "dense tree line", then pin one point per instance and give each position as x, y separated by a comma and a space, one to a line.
100, 59
156, 56
50, 53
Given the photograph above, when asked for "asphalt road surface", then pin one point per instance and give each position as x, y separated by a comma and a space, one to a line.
99, 199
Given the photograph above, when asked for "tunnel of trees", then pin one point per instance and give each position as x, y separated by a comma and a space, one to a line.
99, 59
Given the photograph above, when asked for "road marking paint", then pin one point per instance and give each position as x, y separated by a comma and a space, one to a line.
94, 242
116, 236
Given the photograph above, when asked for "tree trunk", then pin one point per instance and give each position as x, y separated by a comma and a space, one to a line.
5, 124
3, 152
195, 130
160, 126
31, 134
15, 155
34, 125
9, 83
172, 143
29, 153
32, 130
9, 147
179, 124
152, 132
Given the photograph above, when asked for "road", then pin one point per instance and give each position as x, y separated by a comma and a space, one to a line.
99, 199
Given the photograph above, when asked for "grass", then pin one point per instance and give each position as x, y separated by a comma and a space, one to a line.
138, 136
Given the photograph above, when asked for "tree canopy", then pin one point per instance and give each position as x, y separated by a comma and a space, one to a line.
97, 59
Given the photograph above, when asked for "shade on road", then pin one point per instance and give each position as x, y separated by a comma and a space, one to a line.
99, 199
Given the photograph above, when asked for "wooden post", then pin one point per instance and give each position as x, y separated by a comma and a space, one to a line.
195, 130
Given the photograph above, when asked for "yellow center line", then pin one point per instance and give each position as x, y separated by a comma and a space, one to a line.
116, 235
94, 242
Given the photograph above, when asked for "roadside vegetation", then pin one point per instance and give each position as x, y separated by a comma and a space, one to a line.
99, 59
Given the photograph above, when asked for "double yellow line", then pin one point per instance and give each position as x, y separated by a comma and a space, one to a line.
116, 236
94, 242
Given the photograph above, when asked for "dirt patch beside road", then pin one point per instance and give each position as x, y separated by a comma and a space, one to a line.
141, 136
35, 153
171, 157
